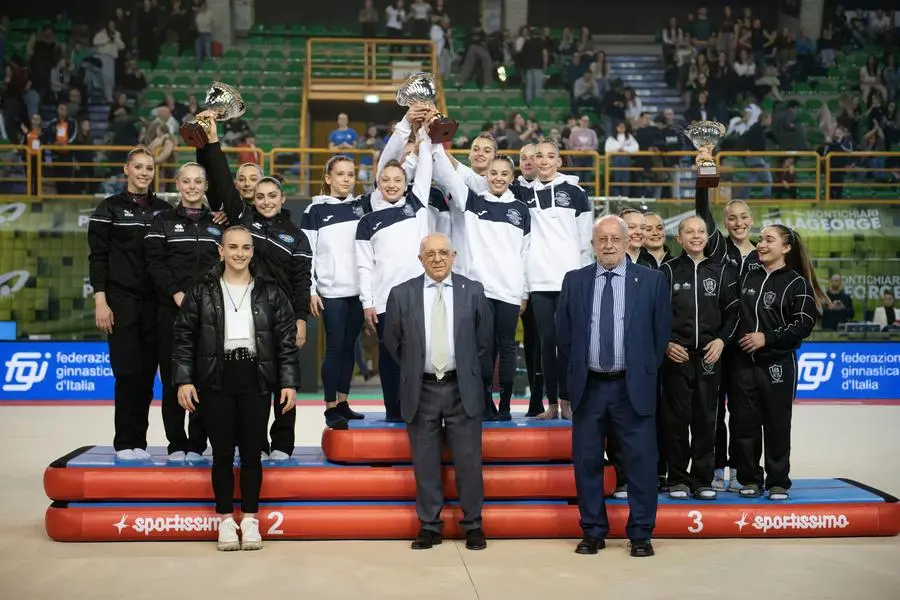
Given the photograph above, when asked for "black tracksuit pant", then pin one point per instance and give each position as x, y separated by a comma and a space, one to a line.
544, 305
133, 358
236, 415
282, 433
689, 405
532, 349
724, 442
761, 400
505, 317
172, 413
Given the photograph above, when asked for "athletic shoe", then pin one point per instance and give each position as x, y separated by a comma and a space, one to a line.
125, 455
347, 412
250, 537
193, 457
679, 492
621, 493
778, 494
719, 483
228, 536
263, 456
176, 457
705, 493
141, 454
278, 455
734, 485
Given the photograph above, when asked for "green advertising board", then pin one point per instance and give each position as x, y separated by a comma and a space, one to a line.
44, 283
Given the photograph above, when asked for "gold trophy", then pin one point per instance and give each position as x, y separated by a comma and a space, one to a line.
706, 135
221, 99
422, 88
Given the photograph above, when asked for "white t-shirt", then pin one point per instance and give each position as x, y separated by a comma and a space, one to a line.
395, 18
420, 11
239, 328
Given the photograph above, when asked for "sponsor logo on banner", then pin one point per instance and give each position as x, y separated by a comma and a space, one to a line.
24, 369
828, 220
11, 212
12, 282
814, 369
862, 287
793, 521
174, 524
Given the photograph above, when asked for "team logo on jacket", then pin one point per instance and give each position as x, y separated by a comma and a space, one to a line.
709, 284
769, 299
214, 230
408, 211
776, 373
257, 225
287, 239
358, 211
514, 216
179, 228
562, 199
709, 368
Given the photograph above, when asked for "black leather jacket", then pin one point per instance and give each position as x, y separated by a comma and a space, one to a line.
199, 345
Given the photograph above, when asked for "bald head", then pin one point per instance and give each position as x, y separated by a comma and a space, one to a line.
610, 240
437, 255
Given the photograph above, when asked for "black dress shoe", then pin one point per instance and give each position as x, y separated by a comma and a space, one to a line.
475, 540
590, 545
347, 412
641, 548
393, 419
426, 539
335, 420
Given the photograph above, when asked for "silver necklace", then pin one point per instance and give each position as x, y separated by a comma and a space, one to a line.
228, 291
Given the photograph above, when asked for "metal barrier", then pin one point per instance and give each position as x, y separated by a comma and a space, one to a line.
77, 171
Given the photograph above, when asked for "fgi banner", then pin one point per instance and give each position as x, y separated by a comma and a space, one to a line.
73, 371
58, 371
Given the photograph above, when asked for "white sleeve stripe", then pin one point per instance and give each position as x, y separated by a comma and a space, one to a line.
101, 220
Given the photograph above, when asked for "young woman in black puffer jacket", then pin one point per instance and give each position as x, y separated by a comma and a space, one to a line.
235, 342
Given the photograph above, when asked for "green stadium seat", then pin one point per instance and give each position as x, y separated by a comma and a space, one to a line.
249, 81
497, 115
271, 98
265, 131
813, 104
210, 66
230, 66
539, 103
274, 83
296, 30
277, 30
290, 130
169, 50
250, 98
183, 81
297, 43
233, 54
291, 112
254, 54
260, 41
268, 113
292, 98
275, 55
493, 102
257, 29
471, 102
153, 97
297, 54
165, 63
180, 96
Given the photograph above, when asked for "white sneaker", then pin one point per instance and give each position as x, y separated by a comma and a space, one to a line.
228, 536
141, 454
176, 457
250, 537
263, 456
125, 455
278, 455
621, 493
193, 457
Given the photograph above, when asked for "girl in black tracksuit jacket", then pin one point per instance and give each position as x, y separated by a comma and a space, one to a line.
704, 298
780, 302
281, 251
739, 251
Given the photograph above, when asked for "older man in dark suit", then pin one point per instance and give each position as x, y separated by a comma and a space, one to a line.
613, 326
438, 330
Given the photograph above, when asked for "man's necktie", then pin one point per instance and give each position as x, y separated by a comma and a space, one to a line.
440, 345
607, 325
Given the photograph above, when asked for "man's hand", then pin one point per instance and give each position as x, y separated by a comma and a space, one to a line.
103, 314
371, 316
301, 333
677, 353
752, 342
316, 307
288, 399
187, 397
179, 298
713, 351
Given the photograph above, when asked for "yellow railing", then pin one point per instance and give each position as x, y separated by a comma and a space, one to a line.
76, 171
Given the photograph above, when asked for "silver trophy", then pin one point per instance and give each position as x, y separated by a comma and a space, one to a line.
224, 101
421, 88
706, 135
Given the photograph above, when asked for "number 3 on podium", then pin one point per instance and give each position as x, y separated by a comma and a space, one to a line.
696, 521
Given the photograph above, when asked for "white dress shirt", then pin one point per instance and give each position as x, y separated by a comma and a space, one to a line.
429, 297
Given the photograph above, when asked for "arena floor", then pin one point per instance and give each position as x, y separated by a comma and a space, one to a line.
859, 442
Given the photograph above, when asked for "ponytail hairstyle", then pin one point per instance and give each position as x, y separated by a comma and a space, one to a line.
798, 259
391, 163
186, 165
505, 159
629, 211
329, 167
139, 150
233, 228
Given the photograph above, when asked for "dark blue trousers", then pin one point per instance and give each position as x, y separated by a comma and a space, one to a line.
343, 319
603, 409
389, 372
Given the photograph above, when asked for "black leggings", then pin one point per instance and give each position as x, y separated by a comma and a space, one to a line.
532, 350
343, 319
505, 317
544, 305
236, 415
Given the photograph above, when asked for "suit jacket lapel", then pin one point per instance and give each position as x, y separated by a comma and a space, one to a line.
632, 282
418, 305
588, 281
459, 297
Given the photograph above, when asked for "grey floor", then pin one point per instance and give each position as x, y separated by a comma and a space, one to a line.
849, 441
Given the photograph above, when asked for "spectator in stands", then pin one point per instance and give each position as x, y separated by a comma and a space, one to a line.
160, 142
785, 47
108, 42
193, 107
532, 58
621, 142
566, 47
204, 22
890, 76
870, 78
760, 43
745, 70
685, 54
633, 105
784, 179
76, 108
839, 142
375, 144
43, 53
120, 107
396, 19
235, 130
164, 115
728, 28
177, 110
880, 27
125, 25
343, 137
133, 82
477, 54
805, 51
613, 106
886, 315
826, 48
520, 132
59, 80
368, 19
672, 39
721, 80
420, 20
787, 129
61, 131
701, 27
754, 140
442, 37
841, 309
586, 93
31, 139
248, 152
149, 32
84, 160
584, 139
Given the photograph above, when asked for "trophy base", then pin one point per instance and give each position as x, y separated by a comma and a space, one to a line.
707, 176
442, 130
194, 134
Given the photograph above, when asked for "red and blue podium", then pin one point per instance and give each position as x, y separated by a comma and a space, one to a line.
360, 485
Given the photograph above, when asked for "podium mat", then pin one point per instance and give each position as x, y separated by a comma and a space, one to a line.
817, 508
93, 473
374, 440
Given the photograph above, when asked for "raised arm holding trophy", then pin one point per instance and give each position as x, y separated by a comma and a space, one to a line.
706, 135
421, 88
221, 100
